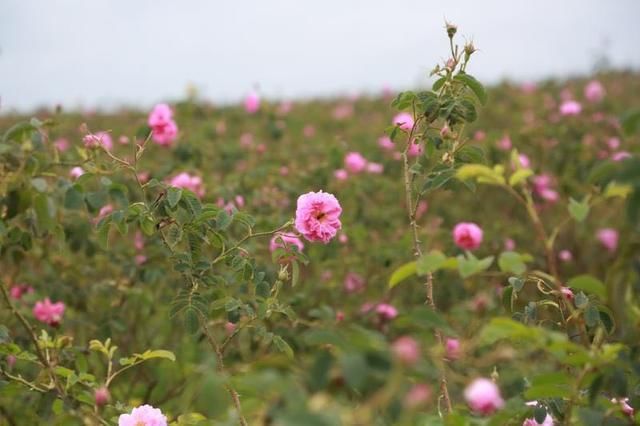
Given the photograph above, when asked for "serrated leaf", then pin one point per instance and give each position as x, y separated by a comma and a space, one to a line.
476, 87
173, 196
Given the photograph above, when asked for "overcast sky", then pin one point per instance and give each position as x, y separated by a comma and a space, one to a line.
97, 53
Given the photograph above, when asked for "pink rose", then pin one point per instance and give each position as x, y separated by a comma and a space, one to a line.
288, 238
570, 108
608, 237
354, 283
467, 235
375, 168
76, 172
186, 181
483, 396
404, 120
452, 348
406, 350
49, 313
385, 143
354, 162
418, 395
164, 129
252, 103
318, 216
341, 174
145, 415
386, 311
594, 91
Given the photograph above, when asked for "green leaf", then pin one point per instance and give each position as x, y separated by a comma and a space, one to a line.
588, 284
402, 273
505, 328
550, 385
191, 320
437, 179
516, 282
579, 209
470, 265
73, 198
430, 262
476, 87
631, 122
519, 176
43, 207
282, 346
510, 261
173, 196
159, 353
39, 184
591, 316
223, 220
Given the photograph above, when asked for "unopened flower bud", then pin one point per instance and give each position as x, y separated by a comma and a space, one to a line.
451, 29
445, 131
283, 275
469, 48
102, 396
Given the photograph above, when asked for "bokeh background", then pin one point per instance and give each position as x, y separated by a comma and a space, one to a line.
109, 53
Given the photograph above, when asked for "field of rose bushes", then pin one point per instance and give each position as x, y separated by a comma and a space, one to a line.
458, 255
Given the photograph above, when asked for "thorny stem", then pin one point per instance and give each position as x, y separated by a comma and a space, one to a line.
220, 364
417, 252
41, 356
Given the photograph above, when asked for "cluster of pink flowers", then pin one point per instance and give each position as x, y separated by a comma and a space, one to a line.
467, 235
285, 238
49, 313
252, 102
164, 128
145, 415
236, 204
18, 290
355, 163
318, 216
483, 396
186, 181
543, 188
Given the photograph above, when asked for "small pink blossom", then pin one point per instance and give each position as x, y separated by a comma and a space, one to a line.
620, 155
415, 149
340, 316
613, 143
354, 162
467, 235
341, 174
624, 406
524, 161
386, 312
252, 103
483, 396
509, 244
386, 143
542, 188
123, 140
145, 415
76, 172
61, 144
567, 293
104, 211
594, 91
570, 108
505, 143
318, 216
452, 348
354, 283
404, 120
19, 290
608, 237
186, 181
164, 129
49, 313
309, 131
565, 255
479, 135
288, 238
375, 168
418, 395
406, 350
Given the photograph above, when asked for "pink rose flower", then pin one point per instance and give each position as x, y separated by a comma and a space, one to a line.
406, 350
594, 91
452, 348
483, 396
309, 131
49, 313
624, 406
505, 143
123, 140
613, 143
252, 103
101, 396
341, 174
375, 168
318, 216
354, 283
164, 128
145, 415
620, 155
76, 172
61, 144
467, 235
288, 238
404, 120
565, 255
186, 181
386, 312
509, 244
570, 108
386, 143
608, 237
105, 140
418, 395
19, 290
415, 149
354, 162
567, 293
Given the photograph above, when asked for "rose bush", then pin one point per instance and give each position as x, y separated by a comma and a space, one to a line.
244, 270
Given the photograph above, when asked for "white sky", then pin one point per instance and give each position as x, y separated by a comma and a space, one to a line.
104, 53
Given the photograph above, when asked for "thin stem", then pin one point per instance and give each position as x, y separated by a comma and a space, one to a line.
417, 252
220, 364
